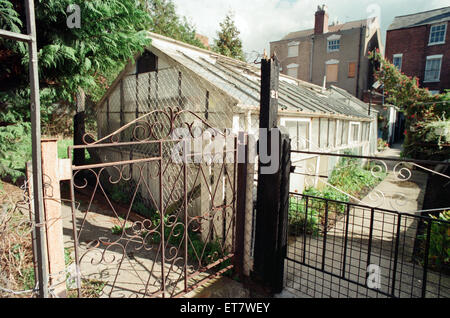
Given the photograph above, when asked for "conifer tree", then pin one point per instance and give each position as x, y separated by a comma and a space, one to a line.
228, 42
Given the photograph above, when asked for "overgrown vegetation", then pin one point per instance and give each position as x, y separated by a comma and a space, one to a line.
439, 252
70, 59
16, 263
423, 111
350, 177
90, 288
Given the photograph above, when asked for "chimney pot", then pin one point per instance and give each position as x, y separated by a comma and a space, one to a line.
321, 20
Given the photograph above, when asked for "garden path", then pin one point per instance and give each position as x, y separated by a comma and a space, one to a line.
390, 194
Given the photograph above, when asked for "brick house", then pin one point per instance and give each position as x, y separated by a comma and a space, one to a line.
419, 45
335, 54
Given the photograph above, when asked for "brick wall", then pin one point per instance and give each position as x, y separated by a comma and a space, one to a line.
413, 44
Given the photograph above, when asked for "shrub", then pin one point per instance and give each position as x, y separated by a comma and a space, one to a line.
382, 144
439, 252
15, 149
314, 217
351, 177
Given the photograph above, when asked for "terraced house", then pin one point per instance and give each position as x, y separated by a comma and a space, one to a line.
419, 45
335, 54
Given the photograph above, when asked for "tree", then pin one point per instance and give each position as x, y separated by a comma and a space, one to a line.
165, 21
89, 57
228, 42
425, 113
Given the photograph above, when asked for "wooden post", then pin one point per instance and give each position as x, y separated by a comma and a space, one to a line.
242, 149
79, 129
53, 216
273, 189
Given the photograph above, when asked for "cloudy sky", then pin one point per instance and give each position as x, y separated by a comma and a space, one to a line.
262, 21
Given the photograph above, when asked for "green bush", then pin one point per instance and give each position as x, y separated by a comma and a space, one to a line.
351, 177
15, 149
439, 252
316, 209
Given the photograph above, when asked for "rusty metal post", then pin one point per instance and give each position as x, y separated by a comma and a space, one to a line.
36, 150
35, 109
53, 216
29, 192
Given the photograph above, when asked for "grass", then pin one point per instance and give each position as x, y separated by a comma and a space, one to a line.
63, 145
16, 263
90, 288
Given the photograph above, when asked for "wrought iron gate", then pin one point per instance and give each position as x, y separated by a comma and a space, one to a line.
150, 217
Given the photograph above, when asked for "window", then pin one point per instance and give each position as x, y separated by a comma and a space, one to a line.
293, 49
354, 134
351, 69
437, 34
292, 70
433, 68
334, 45
397, 61
298, 131
332, 68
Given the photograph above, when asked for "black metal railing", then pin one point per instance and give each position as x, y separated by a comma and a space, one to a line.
342, 249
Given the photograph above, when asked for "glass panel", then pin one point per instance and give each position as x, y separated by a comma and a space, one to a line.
303, 133
334, 45
293, 133
437, 33
433, 69
398, 62
354, 133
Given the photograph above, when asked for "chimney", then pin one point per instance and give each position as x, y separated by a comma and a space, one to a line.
321, 21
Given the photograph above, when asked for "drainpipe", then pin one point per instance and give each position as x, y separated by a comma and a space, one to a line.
359, 61
311, 60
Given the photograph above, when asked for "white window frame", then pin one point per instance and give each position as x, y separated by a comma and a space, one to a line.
296, 119
431, 33
400, 55
350, 135
291, 45
334, 38
433, 57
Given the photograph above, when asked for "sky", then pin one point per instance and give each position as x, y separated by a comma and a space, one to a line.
263, 21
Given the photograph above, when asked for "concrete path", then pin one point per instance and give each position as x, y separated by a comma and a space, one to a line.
127, 266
